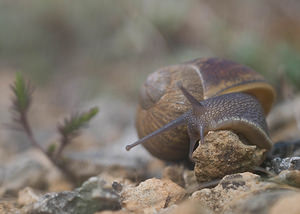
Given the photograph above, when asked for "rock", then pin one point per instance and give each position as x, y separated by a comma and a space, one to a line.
7, 207
27, 196
257, 203
26, 169
152, 194
187, 207
29, 169
231, 188
175, 174
94, 195
277, 164
115, 180
289, 203
290, 177
223, 153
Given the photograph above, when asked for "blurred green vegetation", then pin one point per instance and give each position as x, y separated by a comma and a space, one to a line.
110, 46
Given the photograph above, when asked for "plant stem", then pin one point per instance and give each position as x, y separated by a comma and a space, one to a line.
69, 175
64, 142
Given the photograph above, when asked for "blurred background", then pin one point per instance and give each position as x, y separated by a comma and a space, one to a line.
79, 54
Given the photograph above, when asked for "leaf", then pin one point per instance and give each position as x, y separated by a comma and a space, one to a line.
72, 125
51, 149
22, 94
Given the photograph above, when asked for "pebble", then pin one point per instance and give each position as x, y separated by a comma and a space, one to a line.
26, 169
231, 188
94, 195
277, 164
289, 177
152, 194
187, 207
8, 207
27, 196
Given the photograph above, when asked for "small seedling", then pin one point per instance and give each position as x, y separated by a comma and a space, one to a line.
68, 130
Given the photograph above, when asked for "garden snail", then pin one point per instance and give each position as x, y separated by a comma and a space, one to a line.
179, 104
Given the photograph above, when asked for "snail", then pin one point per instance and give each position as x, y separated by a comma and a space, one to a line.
179, 104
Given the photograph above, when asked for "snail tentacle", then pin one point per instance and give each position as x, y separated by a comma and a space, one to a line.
202, 135
190, 97
178, 121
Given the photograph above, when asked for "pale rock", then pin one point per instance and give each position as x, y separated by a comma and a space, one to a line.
94, 195
187, 207
289, 204
224, 153
8, 207
27, 196
26, 169
231, 188
152, 194
259, 202
290, 177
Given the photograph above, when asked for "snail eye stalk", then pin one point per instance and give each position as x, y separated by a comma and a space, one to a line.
178, 121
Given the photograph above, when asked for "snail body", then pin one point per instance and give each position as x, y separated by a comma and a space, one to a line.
180, 104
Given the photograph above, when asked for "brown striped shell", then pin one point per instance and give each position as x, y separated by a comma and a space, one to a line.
161, 101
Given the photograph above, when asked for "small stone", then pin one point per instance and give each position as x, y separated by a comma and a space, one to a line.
7, 207
290, 177
152, 194
231, 188
27, 196
259, 202
117, 186
188, 207
25, 169
278, 164
223, 153
190, 180
94, 195
116, 182
295, 163
175, 174
289, 204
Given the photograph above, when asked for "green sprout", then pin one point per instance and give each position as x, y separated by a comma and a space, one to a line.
72, 125
70, 128
23, 92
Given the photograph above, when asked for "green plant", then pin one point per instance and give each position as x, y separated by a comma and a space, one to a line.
70, 128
